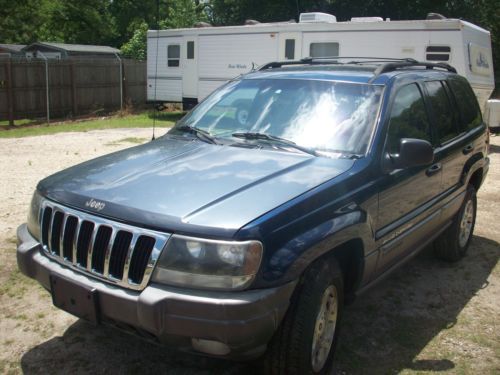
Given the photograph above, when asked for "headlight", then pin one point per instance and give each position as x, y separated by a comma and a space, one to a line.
208, 264
33, 216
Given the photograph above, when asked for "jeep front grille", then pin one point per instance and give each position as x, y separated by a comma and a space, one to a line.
118, 253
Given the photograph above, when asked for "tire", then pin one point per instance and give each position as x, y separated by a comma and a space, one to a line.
452, 245
291, 349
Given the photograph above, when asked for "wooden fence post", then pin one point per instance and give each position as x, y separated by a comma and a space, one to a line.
10, 95
73, 89
124, 81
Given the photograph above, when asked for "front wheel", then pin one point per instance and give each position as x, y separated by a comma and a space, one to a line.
452, 245
306, 340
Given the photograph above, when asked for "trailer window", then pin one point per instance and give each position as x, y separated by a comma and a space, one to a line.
329, 49
190, 50
290, 49
437, 53
173, 55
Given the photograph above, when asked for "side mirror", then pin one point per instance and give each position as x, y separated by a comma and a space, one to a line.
412, 153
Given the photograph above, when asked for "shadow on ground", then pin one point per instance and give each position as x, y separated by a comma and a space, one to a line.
383, 331
494, 149
166, 116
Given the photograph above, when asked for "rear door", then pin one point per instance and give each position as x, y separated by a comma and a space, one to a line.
407, 207
447, 140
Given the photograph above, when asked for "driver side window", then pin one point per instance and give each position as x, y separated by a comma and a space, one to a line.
408, 118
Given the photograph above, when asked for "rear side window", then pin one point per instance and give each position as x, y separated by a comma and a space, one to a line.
408, 118
470, 114
173, 55
441, 111
329, 49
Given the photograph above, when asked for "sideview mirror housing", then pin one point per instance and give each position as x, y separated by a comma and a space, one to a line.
412, 153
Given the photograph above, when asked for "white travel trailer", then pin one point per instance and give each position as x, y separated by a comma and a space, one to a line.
185, 65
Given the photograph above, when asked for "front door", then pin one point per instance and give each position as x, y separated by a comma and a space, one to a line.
290, 47
406, 208
189, 58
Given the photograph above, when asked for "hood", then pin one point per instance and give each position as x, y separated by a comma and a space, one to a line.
176, 184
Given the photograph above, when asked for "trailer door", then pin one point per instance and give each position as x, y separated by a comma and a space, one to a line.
290, 47
189, 67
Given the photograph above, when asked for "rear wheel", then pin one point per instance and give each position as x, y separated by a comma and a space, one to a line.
306, 340
452, 245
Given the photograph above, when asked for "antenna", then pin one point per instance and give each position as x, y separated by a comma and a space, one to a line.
298, 10
156, 63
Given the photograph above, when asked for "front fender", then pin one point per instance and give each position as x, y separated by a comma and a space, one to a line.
290, 260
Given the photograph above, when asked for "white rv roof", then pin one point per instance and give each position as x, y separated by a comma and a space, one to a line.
446, 24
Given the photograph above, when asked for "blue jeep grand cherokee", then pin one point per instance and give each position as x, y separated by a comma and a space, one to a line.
242, 231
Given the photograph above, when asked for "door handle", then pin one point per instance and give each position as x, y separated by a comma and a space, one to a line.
468, 149
433, 169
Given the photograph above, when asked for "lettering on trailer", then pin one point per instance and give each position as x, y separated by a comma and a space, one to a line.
237, 66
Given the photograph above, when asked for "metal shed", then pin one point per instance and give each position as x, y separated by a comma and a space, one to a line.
65, 51
11, 50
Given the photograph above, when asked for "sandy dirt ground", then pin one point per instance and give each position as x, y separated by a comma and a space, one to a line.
427, 317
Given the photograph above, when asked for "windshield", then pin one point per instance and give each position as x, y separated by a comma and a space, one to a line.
321, 115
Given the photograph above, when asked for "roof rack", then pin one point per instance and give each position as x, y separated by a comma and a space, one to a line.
387, 64
332, 60
397, 65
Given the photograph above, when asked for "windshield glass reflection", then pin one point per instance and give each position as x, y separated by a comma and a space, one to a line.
323, 115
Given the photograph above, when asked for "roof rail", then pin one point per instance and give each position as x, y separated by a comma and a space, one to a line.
333, 60
408, 64
386, 64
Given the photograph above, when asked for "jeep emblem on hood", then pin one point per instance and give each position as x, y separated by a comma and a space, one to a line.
92, 203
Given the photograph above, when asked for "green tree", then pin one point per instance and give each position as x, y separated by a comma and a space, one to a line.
20, 21
86, 22
135, 48
181, 13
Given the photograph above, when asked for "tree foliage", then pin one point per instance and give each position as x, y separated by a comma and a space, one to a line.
135, 47
123, 23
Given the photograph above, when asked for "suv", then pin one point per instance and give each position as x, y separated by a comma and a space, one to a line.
242, 231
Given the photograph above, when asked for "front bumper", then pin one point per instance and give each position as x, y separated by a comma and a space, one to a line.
242, 321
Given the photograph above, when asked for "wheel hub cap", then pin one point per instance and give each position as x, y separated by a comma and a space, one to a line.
466, 223
324, 329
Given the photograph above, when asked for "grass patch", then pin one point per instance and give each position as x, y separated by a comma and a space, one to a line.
140, 120
16, 122
16, 285
9, 367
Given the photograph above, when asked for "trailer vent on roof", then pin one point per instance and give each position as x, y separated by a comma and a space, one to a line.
317, 17
199, 25
367, 19
251, 22
435, 16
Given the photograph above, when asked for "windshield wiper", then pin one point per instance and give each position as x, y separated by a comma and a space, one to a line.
200, 133
273, 138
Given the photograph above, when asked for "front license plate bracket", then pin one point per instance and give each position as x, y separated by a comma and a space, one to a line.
75, 298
